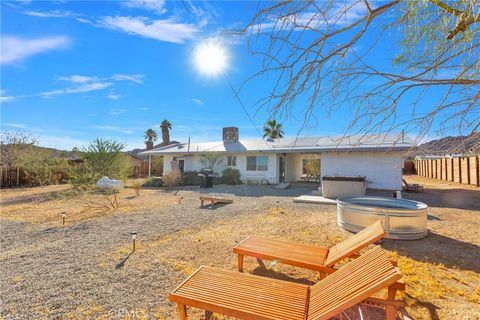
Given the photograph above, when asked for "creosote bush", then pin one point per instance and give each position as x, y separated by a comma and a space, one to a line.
231, 176
173, 178
100, 158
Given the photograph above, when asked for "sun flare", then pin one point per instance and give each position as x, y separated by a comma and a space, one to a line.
210, 58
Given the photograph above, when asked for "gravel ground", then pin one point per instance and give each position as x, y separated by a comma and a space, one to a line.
55, 271
86, 270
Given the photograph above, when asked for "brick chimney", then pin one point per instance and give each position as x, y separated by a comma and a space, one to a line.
230, 134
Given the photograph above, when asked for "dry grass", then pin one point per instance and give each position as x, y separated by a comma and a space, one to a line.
427, 283
442, 281
46, 211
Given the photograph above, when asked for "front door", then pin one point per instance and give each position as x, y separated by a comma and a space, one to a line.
281, 169
181, 165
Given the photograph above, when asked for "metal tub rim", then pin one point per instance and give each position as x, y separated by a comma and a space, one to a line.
384, 209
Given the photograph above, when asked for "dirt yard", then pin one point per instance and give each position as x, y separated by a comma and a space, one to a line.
86, 269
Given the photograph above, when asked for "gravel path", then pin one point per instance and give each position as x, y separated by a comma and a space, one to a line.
54, 272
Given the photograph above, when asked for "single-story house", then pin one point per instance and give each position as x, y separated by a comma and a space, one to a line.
379, 157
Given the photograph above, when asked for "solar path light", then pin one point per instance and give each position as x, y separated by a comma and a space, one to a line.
134, 237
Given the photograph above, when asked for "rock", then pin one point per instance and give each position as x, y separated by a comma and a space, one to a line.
107, 183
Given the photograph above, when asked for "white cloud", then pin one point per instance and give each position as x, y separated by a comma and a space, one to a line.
4, 97
115, 112
163, 30
49, 14
15, 49
113, 96
143, 108
78, 79
113, 128
157, 6
15, 125
197, 101
137, 78
87, 87
82, 84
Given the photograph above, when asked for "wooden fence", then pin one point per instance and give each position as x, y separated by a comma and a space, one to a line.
11, 176
461, 169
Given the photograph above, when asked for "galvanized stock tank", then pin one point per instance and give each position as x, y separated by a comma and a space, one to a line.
402, 219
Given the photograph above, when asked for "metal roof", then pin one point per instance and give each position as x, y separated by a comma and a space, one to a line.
384, 142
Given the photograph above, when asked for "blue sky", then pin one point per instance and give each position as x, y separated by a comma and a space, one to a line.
74, 71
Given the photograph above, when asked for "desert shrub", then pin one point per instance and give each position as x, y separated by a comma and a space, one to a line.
154, 182
231, 176
101, 158
137, 187
43, 167
157, 165
173, 178
191, 178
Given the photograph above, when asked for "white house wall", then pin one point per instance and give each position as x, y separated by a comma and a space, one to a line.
294, 165
382, 169
194, 163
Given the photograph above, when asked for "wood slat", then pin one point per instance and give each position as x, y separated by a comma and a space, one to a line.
242, 295
351, 284
355, 243
307, 256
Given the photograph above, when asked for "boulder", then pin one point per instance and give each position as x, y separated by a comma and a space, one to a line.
107, 183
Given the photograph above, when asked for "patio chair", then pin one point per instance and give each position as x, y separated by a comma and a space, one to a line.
412, 187
247, 296
307, 256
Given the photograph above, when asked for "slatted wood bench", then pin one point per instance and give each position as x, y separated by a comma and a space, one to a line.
412, 187
305, 256
248, 296
213, 200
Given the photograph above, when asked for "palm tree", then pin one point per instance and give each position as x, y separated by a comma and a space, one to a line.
150, 137
272, 129
166, 126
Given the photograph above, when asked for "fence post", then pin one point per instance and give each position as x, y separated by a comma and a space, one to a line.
441, 168
453, 171
460, 169
477, 165
431, 168
468, 170
446, 169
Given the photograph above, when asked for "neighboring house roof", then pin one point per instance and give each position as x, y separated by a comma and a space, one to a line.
289, 145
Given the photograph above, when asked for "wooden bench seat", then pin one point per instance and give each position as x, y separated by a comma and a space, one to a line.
301, 255
247, 296
242, 295
213, 200
307, 256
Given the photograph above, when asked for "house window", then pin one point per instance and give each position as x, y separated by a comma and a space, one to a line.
257, 163
232, 161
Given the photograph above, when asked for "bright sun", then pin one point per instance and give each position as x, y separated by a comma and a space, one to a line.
210, 58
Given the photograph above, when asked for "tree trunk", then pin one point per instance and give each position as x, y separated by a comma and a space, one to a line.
149, 145
165, 135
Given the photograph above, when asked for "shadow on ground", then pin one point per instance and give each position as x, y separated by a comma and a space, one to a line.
436, 248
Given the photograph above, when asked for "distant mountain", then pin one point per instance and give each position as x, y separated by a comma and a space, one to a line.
451, 145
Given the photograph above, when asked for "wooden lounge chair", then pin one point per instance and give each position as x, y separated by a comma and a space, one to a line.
214, 200
308, 256
412, 187
247, 296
